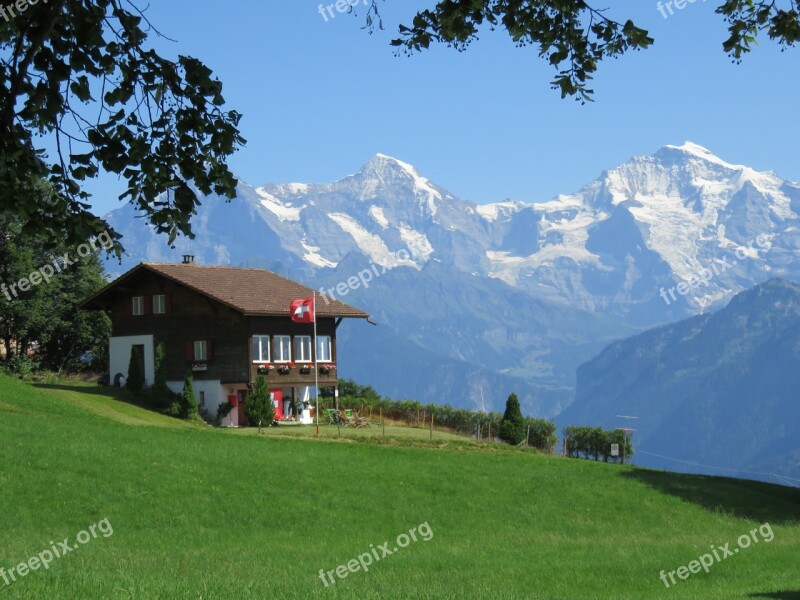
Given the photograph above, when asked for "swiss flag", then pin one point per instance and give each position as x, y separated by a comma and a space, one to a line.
302, 311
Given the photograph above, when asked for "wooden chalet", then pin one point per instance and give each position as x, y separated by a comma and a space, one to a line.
225, 325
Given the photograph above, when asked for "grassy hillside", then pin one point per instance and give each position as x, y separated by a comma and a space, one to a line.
203, 513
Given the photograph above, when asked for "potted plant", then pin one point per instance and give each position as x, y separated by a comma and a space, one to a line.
285, 368
265, 369
327, 368
305, 369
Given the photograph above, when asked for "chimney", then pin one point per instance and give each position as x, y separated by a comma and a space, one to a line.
188, 259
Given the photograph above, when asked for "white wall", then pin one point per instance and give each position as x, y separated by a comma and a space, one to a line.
211, 391
119, 351
232, 420
215, 394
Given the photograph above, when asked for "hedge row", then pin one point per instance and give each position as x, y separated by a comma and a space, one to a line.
595, 443
411, 412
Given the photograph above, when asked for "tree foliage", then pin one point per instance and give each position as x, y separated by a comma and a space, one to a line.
189, 408
484, 426
259, 408
79, 74
512, 427
595, 443
44, 318
542, 434
160, 394
573, 36
81, 91
135, 379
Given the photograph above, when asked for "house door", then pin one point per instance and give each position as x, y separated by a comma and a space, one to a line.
242, 398
277, 400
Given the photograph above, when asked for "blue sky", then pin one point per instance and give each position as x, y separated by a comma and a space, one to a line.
320, 98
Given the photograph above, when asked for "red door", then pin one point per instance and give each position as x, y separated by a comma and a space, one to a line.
277, 401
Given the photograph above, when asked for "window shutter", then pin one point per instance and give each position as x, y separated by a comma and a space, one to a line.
168, 303
190, 351
148, 305
210, 349
128, 312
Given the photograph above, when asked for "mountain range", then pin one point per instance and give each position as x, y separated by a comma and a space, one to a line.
715, 392
474, 301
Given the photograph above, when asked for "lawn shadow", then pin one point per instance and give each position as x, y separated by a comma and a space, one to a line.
744, 498
777, 595
107, 391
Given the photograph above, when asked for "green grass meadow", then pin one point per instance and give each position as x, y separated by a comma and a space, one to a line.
203, 513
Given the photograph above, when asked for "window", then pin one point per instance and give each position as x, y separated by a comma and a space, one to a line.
302, 348
202, 400
137, 306
283, 348
260, 348
159, 304
324, 348
199, 351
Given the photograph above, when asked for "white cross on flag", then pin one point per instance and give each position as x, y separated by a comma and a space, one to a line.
302, 311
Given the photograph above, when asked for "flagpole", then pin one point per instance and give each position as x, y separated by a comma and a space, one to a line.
316, 364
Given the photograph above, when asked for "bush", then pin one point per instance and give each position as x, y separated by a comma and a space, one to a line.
512, 427
223, 410
188, 399
21, 365
161, 396
175, 409
135, 380
542, 434
595, 442
259, 407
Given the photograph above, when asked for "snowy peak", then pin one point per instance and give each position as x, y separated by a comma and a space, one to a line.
384, 174
690, 149
651, 222
383, 165
690, 155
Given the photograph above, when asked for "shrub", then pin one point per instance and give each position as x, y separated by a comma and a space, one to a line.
223, 410
512, 427
175, 409
259, 407
595, 442
160, 395
21, 365
542, 434
135, 380
188, 399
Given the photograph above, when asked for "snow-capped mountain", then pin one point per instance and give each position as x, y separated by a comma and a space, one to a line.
532, 289
652, 221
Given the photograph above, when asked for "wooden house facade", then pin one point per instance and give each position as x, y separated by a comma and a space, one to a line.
226, 326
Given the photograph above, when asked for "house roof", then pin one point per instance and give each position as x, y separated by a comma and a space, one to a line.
250, 291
